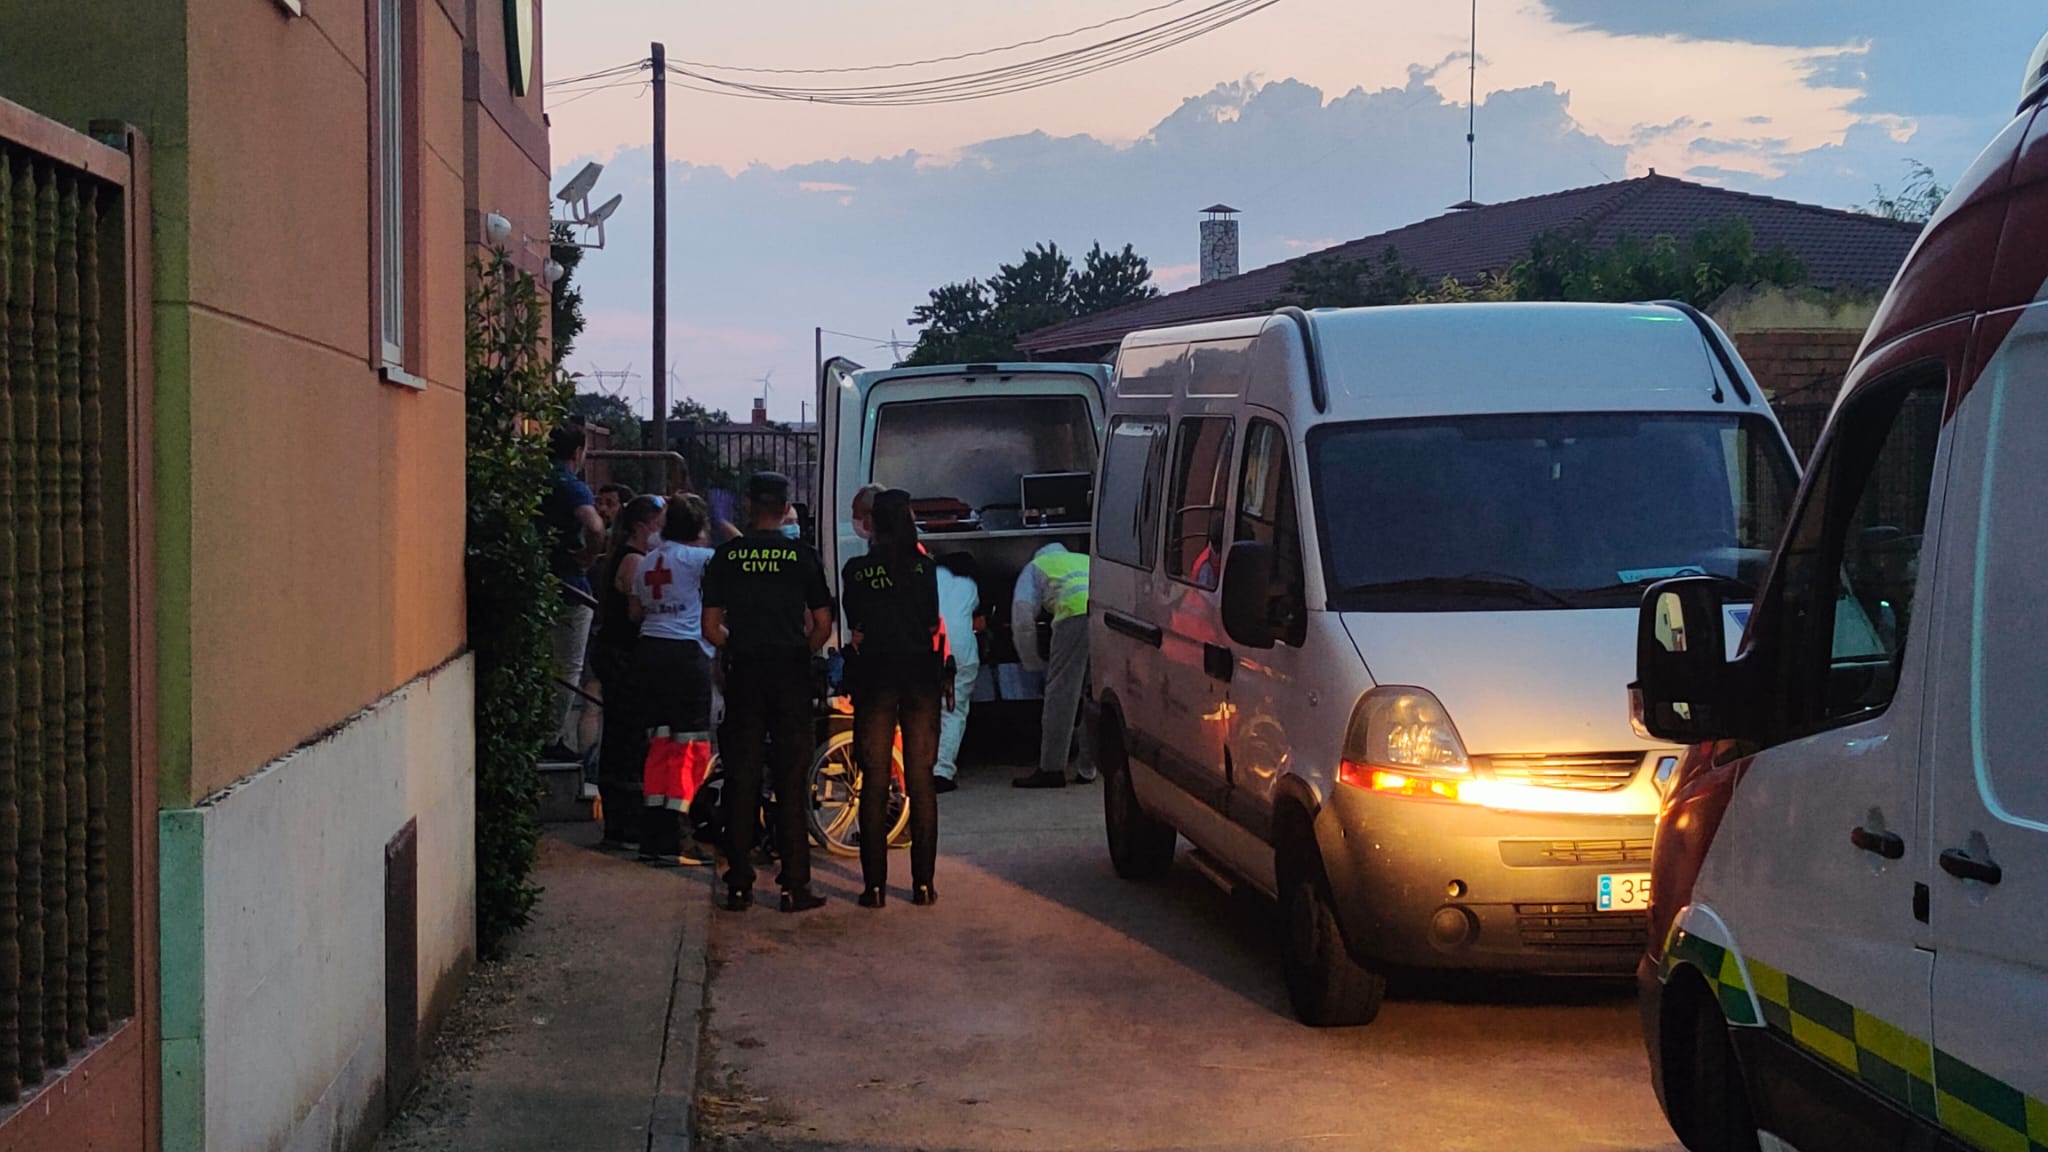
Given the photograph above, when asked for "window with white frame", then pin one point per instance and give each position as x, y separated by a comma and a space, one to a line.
391, 120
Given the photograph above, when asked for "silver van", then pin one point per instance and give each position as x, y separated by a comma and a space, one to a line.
1363, 614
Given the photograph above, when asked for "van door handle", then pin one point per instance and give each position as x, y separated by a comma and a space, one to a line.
1142, 631
1218, 662
1963, 866
1889, 845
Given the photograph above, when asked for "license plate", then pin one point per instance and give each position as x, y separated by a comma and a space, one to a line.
1624, 891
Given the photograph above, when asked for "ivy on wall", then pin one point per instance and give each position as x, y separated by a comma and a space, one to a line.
515, 395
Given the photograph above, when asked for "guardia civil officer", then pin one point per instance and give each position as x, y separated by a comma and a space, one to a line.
767, 608
899, 671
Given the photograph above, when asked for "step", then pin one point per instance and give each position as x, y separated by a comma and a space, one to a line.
562, 801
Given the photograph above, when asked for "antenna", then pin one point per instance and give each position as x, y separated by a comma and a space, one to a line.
1471, 119
1472, 110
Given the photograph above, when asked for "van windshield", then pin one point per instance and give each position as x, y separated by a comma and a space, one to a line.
1552, 510
977, 450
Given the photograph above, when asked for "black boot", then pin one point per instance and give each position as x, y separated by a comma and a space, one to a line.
738, 899
924, 895
801, 900
874, 896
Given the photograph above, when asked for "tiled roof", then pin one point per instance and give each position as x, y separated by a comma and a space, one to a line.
1841, 249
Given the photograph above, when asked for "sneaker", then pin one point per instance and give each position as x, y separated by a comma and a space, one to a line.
1078, 779
560, 753
944, 784
1041, 780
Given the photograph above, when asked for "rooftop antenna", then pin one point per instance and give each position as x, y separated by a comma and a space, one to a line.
1471, 118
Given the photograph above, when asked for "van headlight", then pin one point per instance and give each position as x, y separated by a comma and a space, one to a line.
1401, 742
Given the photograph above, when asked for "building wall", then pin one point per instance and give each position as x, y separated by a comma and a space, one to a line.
326, 503
281, 1046
1799, 345
312, 696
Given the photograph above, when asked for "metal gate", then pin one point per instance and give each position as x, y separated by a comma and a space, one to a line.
721, 459
76, 850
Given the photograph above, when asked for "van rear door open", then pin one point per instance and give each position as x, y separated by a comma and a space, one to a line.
961, 439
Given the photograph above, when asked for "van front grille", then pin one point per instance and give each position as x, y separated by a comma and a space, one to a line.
1590, 772
1580, 926
1547, 853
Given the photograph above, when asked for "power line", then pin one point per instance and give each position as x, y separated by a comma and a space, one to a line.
1021, 77
937, 59
586, 93
602, 73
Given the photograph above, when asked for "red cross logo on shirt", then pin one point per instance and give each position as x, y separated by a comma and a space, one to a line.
659, 577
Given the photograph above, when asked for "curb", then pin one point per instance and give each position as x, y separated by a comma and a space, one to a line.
672, 1127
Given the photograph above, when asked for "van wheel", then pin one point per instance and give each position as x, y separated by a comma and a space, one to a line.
1325, 985
1140, 847
1705, 1098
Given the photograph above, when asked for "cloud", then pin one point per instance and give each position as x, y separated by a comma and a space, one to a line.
762, 255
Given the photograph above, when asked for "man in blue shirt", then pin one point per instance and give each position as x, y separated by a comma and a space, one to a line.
568, 514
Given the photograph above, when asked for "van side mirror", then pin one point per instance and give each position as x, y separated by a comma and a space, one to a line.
1247, 589
1686, 691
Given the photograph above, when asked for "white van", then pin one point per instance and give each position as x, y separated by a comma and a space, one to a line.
969, 443
1850, 934
1363, 600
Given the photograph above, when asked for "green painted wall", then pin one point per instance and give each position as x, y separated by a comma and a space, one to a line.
77, 61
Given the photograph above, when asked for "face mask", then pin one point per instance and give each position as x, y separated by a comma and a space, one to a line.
793, 531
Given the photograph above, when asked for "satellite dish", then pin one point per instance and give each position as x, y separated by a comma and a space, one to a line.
579, 187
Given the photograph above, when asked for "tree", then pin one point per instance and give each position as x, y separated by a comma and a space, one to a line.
1111, 280
695, 412
1328, 281
565, 300
979, 321
611, 412
1034, 292
1567, 265
959, 326
1915, 201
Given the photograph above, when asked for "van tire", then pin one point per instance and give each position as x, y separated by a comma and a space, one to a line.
1140, 847
1706, 1100
1326, 986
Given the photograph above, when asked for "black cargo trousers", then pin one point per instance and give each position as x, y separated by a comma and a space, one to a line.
769, 697
892, 695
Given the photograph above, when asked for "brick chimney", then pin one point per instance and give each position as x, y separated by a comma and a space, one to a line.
1219, 242
760, 411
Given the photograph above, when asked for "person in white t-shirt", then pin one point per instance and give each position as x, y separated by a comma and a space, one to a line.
960, 611
672, 675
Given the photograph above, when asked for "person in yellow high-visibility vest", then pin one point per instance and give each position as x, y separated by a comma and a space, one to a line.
1055, 583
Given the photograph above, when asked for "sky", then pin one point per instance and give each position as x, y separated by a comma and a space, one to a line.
1320, 120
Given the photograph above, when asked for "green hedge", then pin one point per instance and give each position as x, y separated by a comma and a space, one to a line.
515, 395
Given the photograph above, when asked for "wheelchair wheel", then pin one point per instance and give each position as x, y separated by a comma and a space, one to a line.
835, 798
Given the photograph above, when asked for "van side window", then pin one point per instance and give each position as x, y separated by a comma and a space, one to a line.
1853, 553
2008, 613
1133, 463
1265, 514
1194, 525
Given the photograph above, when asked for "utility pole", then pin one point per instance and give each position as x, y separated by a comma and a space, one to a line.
660, 54
818, 376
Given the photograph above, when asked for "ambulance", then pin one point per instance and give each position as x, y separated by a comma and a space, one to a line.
1849, 920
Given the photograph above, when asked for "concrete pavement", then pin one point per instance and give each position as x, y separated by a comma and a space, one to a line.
584, 1037
1044, 1004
